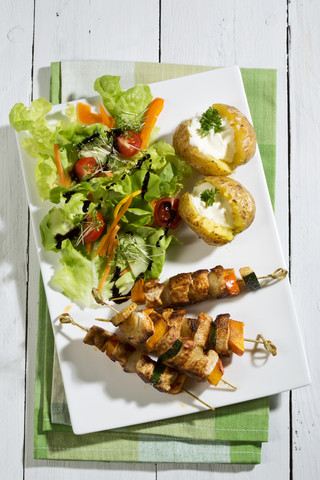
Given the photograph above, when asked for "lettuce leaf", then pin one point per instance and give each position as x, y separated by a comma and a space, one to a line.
79, 274
60, 221
127, 107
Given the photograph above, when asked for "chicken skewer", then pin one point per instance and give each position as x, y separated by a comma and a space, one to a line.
165, 379
186, 288
159, 332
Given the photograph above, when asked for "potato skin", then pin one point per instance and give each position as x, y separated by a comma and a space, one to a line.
245, 140
242, 205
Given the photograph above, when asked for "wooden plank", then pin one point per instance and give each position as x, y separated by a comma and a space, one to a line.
93, 30
250, 34
305, 226
15, 83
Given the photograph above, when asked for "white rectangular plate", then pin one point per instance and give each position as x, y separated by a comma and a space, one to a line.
100, 395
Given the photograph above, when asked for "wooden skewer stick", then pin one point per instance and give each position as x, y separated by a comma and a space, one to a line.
227, 383
125, 297
278, 274
268, 345
66, 318
197, 398
98, 298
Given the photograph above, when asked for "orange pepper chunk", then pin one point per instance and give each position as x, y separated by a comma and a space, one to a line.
231, 282
216, 374
236, 337
160, 329
137, 292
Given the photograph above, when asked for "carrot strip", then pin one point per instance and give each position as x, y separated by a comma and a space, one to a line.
111, 250
106, 120
117, 218
108, 233
64, 179
114, 232
126, 270
105, 274
89, 247
86, 116
132, 195
150, 119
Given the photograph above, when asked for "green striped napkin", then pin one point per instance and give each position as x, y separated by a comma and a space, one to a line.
228, 435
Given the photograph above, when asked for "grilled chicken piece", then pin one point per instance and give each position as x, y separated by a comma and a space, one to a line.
166, 380
121, 353
199, 288
174, 319
124, 314
97, 337
137, 328
145, 369
217, 284
222, 334
165, 295
153, 290
179, 288
193, 361
203, 331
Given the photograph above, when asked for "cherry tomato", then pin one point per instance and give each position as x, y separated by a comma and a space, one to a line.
166, 212
85, 167
128, 143
93, 227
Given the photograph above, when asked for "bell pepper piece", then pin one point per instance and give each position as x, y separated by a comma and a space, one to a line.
236, 337
137, 292
160, 329
216, 374
231, 282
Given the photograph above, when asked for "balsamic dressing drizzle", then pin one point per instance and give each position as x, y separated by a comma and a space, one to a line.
161, 236
86, 205
145, 182
139, 163
59, 238
67, 196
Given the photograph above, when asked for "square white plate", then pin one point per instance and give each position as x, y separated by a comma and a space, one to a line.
100, 395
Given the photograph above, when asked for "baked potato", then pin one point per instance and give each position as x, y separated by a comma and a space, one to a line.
218, 209
217, 153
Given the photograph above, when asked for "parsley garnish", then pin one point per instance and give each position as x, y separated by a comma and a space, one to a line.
207, 196
210, 119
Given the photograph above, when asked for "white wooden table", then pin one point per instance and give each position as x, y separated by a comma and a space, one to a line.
252, 33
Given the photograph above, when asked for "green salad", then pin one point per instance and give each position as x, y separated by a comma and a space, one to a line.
112, 187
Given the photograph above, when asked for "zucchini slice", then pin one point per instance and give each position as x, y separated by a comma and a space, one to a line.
212, 336
172, 352
157, 372
250, 279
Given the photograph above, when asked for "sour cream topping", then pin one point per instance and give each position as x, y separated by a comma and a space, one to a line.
220, 145
220, 212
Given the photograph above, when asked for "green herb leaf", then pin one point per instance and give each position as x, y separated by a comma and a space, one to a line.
210, 119
208, 196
